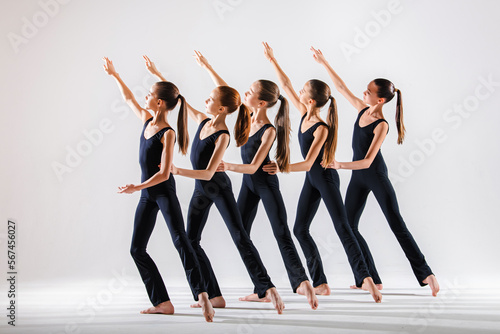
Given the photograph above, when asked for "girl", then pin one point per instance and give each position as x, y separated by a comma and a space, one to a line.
158, 191
257, 184
369, 172
209, 145
318, 142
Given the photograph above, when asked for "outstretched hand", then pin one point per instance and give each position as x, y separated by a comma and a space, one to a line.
174, 170
271, 168
108, 66
201, 60
222, 167
318, 56
128, 189
268, 51
150, 65
333, 165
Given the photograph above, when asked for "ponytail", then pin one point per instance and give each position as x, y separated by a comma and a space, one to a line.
282, 124
242, 126
387, 91
182, 131
331, 140
399, 118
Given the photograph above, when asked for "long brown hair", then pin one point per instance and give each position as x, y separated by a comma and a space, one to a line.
169, 93
270, 93
387, 91
230, 98
321, 93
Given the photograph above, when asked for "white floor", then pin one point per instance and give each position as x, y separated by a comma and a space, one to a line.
115, 310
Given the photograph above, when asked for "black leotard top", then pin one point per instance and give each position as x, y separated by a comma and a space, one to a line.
150, 151
362, 138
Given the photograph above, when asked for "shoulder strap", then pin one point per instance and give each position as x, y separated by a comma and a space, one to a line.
362, 111
377, 122
265, 127
160, 133
147, 122
315, 126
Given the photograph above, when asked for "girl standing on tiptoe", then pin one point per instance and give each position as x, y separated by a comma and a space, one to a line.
158, 191
257, 184
209, 145
318, 141
369, 172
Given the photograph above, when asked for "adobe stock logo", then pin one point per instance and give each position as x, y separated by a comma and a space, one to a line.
31, 26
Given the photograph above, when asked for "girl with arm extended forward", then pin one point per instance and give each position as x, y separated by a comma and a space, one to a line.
369, 171
158, 191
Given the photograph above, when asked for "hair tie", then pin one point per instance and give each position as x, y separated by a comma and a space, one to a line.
330, 97
280, 97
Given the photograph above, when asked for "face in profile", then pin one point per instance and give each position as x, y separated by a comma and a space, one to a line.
251, 99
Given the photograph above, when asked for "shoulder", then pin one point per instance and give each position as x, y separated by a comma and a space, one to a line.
381, 126
222, 137
168, 136
321, 129
269, 132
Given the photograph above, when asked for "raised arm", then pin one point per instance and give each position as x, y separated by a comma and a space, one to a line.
203, 62
258, 159
194, 114
168, 141
380, 133
129, 98
337, 81
284, 81
152, 68
207, 173
320, 135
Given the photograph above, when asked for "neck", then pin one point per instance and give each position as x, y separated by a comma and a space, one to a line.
158, 117
375, 110
312, 112
260, 115
218, 120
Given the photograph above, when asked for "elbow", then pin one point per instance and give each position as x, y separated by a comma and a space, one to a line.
165, 175
253, 169
308, 165
207, 176
366, 164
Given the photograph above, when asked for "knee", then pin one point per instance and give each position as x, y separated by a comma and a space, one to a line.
299, 231
137, 252
281, 233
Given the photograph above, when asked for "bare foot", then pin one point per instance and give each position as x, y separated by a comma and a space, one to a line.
305, 288
217, 302
433, 284
379, 286
369, 285
322, 290
276, 299
162, 308
255, 298
206, 307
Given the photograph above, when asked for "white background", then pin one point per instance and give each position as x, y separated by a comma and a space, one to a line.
75, 228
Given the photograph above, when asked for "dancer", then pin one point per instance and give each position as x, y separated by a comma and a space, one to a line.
257, 184
209, 145
158, 191
318, 141
369, 171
